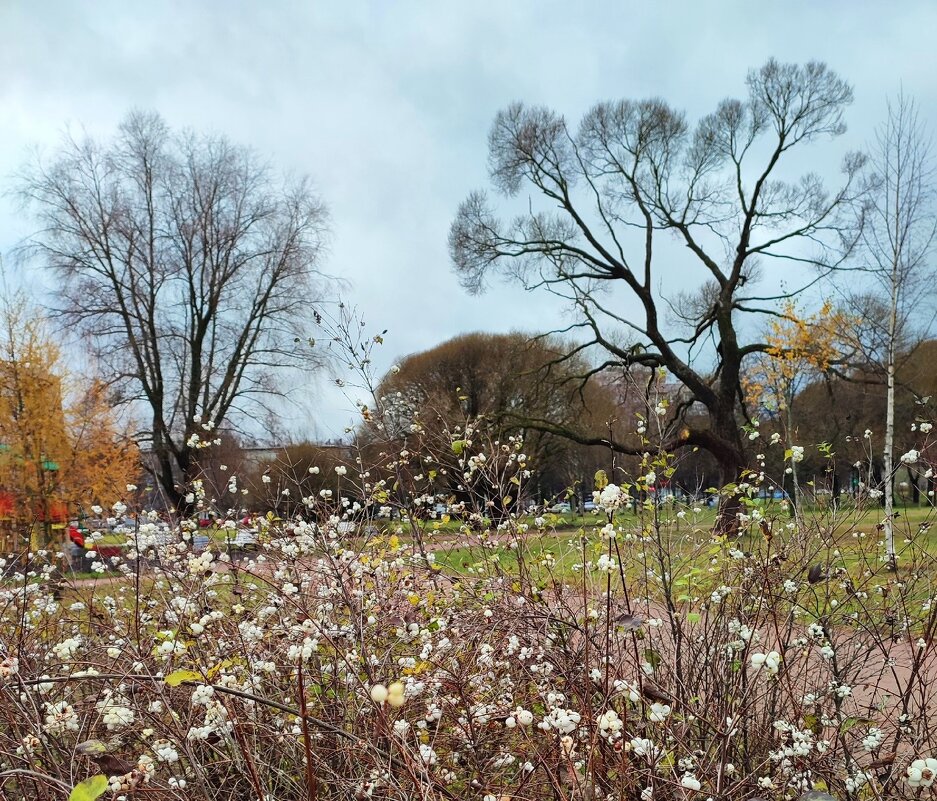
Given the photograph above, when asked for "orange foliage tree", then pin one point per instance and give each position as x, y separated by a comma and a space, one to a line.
61, 443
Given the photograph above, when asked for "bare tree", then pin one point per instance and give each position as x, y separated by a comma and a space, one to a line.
898, 241
634, 175
188, 268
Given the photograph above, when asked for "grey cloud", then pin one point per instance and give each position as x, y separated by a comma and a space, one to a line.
387, 105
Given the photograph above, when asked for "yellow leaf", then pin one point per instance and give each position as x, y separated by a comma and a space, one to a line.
224, 663
177, 677
89, 789
601, 480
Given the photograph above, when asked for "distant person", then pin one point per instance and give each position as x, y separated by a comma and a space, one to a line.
75, 536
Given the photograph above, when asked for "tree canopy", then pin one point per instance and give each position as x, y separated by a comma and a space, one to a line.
188, 267
62, 444
500, 384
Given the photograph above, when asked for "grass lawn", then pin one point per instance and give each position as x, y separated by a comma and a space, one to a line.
567, 540
559, 547
215, 534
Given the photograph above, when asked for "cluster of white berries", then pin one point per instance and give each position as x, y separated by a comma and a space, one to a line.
690, 782
67, 648
562, 720
521, 717
60, 717
873, 739
610, 724
611, 497
911, 457
394, 695
922, 772
202, 695
165, 751
770, 662
606, 564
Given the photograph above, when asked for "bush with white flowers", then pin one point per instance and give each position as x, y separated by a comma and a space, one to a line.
374, 647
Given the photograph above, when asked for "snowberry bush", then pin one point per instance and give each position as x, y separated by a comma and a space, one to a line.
643, 656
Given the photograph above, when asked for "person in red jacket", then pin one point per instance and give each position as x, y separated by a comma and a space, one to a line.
75, 535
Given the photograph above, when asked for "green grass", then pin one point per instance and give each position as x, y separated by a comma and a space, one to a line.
685, 540
551, 554
553, 551
561, 549
215, 534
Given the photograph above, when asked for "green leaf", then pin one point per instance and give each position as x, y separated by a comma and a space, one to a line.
458, 446
89, 789
812, 722
176, 678
652, 658
693, 617
850, 723
93, 748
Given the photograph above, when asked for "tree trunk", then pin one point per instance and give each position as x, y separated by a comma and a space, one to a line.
789, 430
174, 471
889, 470
731, 465
165, 475
189, 471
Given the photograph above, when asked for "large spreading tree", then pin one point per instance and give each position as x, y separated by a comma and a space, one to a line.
190, 269
603, 202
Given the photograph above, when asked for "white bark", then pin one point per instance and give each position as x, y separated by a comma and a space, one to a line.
790, 443
899, 236
887, 457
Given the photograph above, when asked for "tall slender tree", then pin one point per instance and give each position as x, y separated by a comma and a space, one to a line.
898, 247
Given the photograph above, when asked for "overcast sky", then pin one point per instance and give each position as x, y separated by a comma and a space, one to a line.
387, 105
